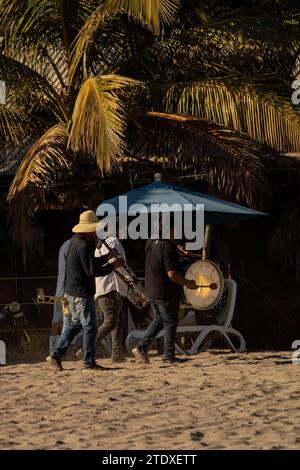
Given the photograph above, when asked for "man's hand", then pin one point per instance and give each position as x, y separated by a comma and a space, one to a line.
191, 284
119, 263
113, 254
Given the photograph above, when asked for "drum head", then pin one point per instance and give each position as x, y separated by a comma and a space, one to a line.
204, 272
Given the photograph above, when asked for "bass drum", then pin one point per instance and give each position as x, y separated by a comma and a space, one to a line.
204, 273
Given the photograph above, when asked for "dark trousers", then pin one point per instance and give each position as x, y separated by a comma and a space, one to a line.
111, 305
165, 317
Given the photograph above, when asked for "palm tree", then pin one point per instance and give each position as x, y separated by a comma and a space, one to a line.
45, 99
192, 82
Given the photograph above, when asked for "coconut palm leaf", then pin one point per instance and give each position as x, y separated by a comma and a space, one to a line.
117, 44
228, 46
39, 169
98, 120
28, 27
268, 119
26, 87
154, 14
31, 24
42, 161
193, 13
229, 158
14, 125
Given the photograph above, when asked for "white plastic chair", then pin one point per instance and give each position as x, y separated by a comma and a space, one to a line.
2, 352
223, 328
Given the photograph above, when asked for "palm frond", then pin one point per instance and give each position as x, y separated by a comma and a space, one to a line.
116, 46
42, 161
230, 159
193, 13
269, 119
238, 45
98, 120
39, 169
30, 25
26, 87
14, 125
154, 14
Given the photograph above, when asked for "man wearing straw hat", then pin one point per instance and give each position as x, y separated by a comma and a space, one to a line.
81, 269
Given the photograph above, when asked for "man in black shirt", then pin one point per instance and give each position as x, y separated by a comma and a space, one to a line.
162, 285
81, 269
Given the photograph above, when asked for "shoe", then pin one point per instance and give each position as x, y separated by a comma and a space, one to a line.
94, 367
140, 355
173, 360
54, 362
79, 353
118, 359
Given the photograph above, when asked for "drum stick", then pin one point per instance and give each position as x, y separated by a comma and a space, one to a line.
212, 286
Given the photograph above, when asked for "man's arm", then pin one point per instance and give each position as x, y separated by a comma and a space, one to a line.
171, 263
108, 259
93, 266
178, 278
100, 270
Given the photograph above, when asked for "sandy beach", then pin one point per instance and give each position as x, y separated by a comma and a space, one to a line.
215, 400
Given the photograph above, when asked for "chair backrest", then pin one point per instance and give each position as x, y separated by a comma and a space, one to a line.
225, 315
2, 352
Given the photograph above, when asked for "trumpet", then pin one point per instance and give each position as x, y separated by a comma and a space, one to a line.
41, 298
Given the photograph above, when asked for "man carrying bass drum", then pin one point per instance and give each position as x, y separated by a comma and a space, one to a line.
162, 284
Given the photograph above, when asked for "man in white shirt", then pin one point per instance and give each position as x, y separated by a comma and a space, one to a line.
110, 292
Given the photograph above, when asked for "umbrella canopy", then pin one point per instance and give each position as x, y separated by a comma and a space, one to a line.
216, 211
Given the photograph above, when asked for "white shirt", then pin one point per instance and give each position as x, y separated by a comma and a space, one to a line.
112, 281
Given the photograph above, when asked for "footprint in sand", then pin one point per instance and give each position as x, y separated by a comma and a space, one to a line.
197, 436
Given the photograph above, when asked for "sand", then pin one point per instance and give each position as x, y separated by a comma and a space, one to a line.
216, 400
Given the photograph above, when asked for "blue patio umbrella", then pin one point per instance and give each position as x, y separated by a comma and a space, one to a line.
216, 211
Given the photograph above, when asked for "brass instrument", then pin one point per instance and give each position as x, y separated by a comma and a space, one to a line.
52, 299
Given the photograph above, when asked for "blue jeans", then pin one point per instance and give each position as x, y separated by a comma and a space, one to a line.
83, 316
165, 317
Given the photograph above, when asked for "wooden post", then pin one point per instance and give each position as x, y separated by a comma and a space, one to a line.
207, 242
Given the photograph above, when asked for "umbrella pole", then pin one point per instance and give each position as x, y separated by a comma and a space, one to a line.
207, 241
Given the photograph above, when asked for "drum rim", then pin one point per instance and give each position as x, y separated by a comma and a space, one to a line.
221, 290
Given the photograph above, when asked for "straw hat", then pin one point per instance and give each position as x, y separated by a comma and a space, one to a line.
88, 222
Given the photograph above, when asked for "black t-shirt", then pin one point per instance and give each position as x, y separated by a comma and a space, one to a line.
161, 257
82, 267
